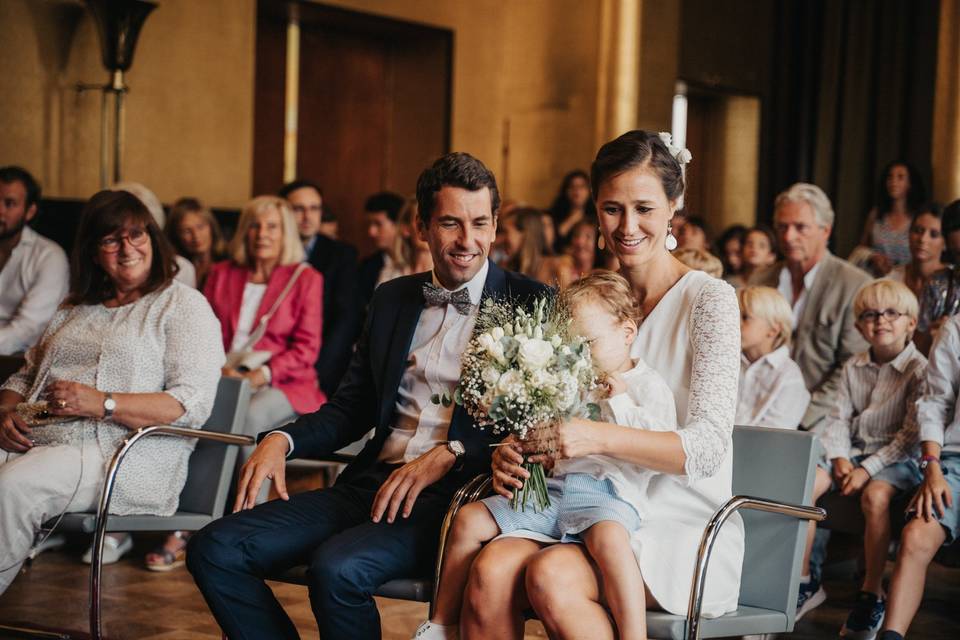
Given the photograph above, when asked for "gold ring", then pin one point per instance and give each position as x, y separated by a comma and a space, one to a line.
62, 404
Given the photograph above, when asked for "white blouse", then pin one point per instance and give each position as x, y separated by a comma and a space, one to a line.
772, 391
692, 339
169, 341
249, 305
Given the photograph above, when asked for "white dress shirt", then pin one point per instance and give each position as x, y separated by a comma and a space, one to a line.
875, 412
772, 392
785, 287
937, 410
32, 284
433, 368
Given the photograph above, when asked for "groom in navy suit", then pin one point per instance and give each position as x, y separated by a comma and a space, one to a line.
381, 519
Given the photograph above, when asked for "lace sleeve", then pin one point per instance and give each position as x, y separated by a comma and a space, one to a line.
715, 370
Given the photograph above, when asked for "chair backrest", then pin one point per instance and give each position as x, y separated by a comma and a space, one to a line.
211, 464
775, 464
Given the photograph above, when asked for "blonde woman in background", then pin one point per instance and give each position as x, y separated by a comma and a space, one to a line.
772, 392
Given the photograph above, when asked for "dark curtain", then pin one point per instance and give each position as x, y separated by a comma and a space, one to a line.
852, 90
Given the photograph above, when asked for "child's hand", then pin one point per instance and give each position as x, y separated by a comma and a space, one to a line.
855, 481
615, 384
933, 497
841, 469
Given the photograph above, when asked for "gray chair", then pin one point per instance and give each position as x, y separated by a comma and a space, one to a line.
202, 500
773, 472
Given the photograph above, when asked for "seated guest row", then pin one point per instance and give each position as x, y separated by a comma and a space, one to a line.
814, 308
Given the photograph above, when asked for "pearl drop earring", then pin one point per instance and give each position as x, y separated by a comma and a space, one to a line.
670, 242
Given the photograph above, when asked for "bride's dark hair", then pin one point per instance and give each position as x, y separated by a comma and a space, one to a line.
635, 149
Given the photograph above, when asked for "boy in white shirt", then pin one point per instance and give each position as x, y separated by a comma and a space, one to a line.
772, 392
934, 511
871, 435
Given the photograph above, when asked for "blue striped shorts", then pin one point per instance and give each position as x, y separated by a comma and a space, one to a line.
577, 502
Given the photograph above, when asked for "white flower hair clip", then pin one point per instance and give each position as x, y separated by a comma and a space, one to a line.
681, 155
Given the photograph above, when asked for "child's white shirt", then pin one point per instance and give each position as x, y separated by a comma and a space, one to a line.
647, 403
772, 392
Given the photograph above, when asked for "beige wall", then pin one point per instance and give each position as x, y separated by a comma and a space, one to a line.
189, 117
526, 95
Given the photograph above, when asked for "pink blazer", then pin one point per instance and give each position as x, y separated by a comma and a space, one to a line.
293, 333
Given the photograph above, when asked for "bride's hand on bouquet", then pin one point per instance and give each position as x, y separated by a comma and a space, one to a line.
575, 438
507, 472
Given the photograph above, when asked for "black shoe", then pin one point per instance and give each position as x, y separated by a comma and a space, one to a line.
810, 597
865, 620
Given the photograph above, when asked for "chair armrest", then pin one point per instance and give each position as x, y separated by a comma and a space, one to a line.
712, 530
472, 491
107, 492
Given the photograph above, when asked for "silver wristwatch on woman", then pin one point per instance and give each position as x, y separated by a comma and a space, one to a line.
109, 405
457, 449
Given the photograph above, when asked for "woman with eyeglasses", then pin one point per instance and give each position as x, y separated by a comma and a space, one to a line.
129, 348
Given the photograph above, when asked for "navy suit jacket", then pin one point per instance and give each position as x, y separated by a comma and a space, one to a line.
337, 261
368, 395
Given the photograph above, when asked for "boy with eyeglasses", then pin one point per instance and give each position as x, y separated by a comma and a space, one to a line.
871, 435
933, 517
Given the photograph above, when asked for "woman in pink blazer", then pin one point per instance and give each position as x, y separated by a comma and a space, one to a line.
265, 254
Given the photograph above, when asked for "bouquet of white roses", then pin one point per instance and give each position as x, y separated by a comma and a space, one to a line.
523, 371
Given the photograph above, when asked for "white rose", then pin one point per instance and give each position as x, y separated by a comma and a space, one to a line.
535, 353
491, 346
490, 376
544, 380
497, 333
486, 341
510, 381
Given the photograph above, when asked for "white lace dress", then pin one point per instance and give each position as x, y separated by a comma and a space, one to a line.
692, 339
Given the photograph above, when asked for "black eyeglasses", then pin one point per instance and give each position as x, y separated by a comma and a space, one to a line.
871, 316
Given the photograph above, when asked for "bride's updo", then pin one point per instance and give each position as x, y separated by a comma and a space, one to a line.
635, 149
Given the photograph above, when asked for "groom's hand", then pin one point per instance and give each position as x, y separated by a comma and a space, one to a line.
268, 462
405, 484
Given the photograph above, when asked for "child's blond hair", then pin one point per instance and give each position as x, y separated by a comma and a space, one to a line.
606, 288
886, 294
700, 260
769, 305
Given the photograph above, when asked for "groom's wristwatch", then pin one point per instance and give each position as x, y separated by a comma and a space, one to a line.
457, 449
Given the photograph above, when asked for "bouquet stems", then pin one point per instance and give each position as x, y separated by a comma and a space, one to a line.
535, 488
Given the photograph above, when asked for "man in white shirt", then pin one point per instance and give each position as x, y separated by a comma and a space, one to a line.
34, 272
820, 289
381, 519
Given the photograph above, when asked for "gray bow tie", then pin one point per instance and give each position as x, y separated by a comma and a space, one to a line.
439, 297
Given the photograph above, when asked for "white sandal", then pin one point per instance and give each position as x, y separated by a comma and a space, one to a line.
113, 549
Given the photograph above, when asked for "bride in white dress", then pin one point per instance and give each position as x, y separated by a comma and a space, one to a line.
690, 334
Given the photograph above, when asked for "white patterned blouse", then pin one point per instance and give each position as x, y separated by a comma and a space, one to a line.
167, 341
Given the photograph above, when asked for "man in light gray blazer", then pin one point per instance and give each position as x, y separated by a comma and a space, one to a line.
820, 289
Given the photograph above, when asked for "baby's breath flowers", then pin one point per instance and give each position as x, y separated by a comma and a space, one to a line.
524, 372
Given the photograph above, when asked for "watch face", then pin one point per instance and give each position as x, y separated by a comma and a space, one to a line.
456, 447
109, 404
